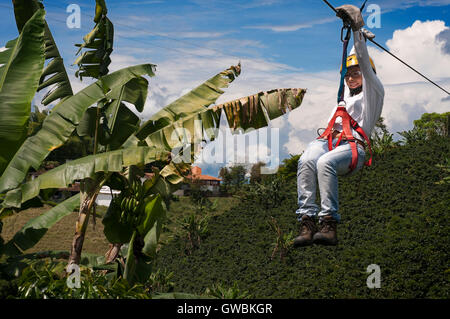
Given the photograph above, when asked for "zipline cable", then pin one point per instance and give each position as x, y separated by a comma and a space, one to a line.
381, 47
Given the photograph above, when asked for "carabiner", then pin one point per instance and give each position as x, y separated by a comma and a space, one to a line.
347, 36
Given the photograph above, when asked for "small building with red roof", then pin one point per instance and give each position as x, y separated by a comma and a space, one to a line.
206, 182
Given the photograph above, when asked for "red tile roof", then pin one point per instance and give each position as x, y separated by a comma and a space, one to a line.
196, 174
203, 177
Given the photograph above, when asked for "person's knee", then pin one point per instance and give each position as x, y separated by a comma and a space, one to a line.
324, 164
310, 155
306, 161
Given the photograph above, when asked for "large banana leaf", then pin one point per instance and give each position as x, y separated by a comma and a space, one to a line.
94, 63
191, 103
59, 125
125, 124
55, 70
118, 121
254, 111
155, 214
30, 234
86, 167
22, 61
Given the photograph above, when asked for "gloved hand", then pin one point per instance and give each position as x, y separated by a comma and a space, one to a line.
367, 34
352, 14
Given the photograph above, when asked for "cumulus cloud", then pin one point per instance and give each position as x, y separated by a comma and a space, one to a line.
420, 45
444, 36
408, 95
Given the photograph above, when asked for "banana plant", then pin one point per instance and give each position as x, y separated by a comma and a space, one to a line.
64, 117
134, 218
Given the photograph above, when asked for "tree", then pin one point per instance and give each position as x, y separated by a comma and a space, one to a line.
381, 139
434, 124
288, 169
428, 126
237, 175
255, 172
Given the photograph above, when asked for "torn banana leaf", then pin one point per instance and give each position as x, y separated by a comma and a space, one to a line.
94, 63
54, 74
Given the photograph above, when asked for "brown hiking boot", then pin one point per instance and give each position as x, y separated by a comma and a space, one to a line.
307, 229
327, 234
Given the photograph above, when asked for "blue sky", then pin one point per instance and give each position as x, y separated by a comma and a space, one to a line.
280, 43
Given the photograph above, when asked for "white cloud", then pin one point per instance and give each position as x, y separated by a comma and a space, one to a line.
291, 27
416, 45
295, 145
408, 95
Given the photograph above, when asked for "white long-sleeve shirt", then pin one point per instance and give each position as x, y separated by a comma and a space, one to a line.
365, 107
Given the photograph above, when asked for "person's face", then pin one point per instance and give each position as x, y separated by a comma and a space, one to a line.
353, 77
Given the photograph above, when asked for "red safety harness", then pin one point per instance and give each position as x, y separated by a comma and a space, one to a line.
347, 124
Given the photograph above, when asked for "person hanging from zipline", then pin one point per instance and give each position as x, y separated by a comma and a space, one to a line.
340, 149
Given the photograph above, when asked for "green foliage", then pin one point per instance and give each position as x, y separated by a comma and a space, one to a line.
428, 126
198, 196
35, 121
446, 172
412, 136
381, 144
8, 288
434, 124
270, 193
135, 217
54, 75
283, 241
75, 147
47, 280
160, 281
233, 178
62, 121
255, 173
1, 238
395, 218
195, 228
94, 63
221, 292
288, 168
30, 234
21, 65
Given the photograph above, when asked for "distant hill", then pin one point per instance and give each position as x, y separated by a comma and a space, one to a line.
397, 218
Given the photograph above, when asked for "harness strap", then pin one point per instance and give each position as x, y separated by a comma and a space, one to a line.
347, 124
343, 61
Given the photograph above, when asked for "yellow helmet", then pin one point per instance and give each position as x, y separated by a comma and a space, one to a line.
352, 60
